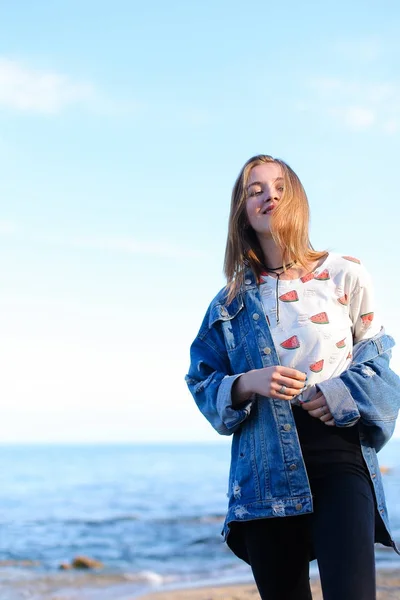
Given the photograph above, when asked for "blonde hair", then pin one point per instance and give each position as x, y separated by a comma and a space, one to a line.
289, 227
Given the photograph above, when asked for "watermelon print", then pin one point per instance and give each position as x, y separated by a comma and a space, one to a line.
324, 276
320, 319
309, 317
307, 277
291, 343
291, 296
352, 259
367, 319
317, 366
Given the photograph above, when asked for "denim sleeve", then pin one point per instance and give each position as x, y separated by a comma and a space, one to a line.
210, 382
368, 392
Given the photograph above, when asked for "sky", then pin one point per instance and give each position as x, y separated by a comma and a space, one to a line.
123, 126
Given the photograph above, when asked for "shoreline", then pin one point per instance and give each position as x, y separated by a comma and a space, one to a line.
388, 588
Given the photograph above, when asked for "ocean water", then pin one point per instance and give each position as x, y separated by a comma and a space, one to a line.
151, 513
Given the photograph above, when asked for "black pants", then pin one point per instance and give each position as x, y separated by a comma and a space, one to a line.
341, 531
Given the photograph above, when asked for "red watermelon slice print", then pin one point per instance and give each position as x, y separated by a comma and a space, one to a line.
320, 319
317, 366
291, 296
291, 343
307, 277
341, 344
367, 319
344, 300
324, 276
352, 259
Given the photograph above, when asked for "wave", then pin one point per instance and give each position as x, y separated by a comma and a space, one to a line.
100, 522
216, 518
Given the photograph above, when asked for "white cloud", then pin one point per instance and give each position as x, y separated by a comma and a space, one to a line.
111, 243
358, 105
124, 244
355, 117
365, 49
132, 245
29, 90
7, 227
392, 126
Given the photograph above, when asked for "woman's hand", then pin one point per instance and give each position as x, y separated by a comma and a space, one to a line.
278, 382
318, 408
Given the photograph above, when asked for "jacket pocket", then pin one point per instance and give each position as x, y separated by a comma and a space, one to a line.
233, 321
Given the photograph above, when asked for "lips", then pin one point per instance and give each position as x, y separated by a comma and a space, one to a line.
268, 209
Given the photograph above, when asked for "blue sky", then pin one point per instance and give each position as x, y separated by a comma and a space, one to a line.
122, 129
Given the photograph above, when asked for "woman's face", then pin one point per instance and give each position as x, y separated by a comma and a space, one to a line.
263, 192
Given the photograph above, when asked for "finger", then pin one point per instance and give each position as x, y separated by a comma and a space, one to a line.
286, 394
319, 412
284, 390
315, 402
326, 417
279, 379
330, 423
315, 397
315, 413
314, 405
291, 373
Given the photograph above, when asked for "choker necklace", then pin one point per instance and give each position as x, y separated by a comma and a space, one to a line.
274, 270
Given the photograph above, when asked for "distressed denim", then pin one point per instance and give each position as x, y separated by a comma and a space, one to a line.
267, 475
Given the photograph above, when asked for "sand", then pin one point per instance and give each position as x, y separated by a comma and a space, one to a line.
388, 588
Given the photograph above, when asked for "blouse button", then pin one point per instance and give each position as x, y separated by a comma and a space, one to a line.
247, 281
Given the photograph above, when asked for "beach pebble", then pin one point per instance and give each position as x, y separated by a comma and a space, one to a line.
85, 562
19, 563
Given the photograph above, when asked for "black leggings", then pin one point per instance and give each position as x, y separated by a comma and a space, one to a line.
341, 530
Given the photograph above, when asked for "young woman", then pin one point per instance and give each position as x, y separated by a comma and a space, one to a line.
291, 359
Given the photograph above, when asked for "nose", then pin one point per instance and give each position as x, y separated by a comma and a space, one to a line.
271, 195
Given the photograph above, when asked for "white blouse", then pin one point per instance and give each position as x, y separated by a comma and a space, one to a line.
316, 320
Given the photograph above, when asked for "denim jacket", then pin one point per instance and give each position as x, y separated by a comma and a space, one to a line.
267, 475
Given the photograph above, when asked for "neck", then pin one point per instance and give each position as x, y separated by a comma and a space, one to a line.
273, 256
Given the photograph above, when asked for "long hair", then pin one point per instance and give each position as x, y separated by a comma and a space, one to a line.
289, 227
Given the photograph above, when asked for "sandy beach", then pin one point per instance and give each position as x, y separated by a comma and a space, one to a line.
388, 586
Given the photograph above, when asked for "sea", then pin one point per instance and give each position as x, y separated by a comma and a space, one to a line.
151, 513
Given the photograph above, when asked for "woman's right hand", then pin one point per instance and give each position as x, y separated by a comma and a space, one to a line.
268, 382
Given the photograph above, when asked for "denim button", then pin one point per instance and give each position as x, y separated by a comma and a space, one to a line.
293, 467
267, 350
287, 427
256, 316
298, 506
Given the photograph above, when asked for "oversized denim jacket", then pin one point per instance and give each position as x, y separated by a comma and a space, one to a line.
267, 475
